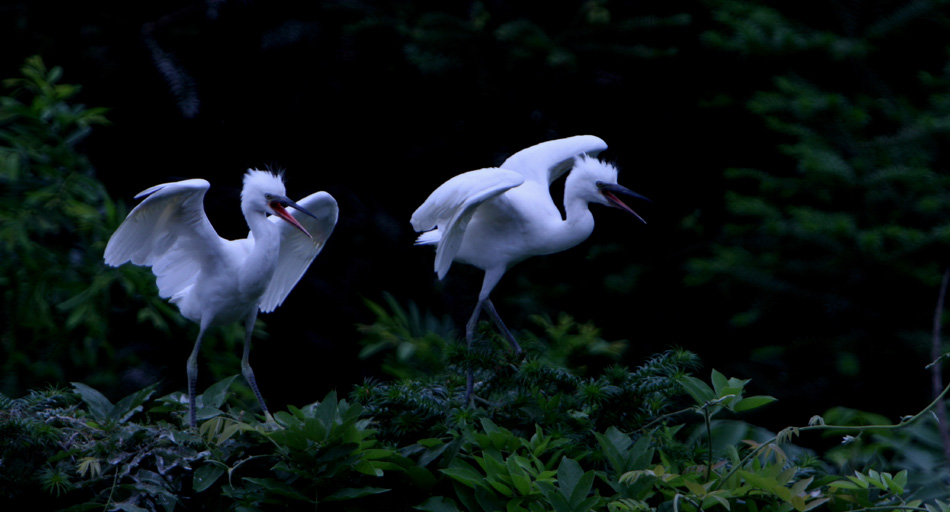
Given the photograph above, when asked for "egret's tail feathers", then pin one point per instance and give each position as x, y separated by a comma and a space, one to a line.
451, 206
429, 237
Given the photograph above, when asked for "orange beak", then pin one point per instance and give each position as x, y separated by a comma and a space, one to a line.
278, 206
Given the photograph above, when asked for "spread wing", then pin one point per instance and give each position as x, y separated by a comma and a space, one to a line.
296, 250
547, 161
450, 207
169, 232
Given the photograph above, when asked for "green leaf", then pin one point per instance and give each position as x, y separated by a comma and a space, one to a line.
898, 483
438, 504
290, 438
554, 496
279, 488
569, 473
695, 488
844, 484
316, 430
353, 493
129, 405
821, 501
217, 393
719, 382
699, 390
464, 473
573, 483
579, 495
206, 475
519, 477
99, 406
752, 402
715, 496
501, 487
421, 477
800, 486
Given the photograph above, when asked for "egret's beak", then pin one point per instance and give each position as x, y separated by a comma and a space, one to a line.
610, 191
278, 206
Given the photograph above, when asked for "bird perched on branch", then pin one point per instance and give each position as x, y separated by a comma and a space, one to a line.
496, 217
214, 281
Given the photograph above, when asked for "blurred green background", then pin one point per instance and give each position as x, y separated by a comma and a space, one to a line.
794, 154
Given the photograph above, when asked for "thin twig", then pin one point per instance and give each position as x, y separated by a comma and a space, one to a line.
936, 370
861, 428
709, 461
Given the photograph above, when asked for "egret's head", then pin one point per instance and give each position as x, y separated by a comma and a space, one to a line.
264, 192
597, 183
260, 186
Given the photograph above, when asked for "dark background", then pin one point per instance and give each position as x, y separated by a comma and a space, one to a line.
379, 103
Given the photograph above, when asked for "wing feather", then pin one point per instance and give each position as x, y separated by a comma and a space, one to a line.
296, 250
169, 232
450, 207
547, 161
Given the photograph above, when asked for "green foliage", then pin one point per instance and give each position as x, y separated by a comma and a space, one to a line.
55, 219
847, 204
498, 470
528, 394
79, 451
324, 452
521, 393
724, 394
915, 449
28, 440
569, 344
56, 294
440, 42
124, 457
413, 344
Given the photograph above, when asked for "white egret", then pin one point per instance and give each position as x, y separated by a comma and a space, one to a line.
214, 281
494, 218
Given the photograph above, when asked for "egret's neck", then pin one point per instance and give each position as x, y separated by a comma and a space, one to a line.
261, 261
259, 224
579, 222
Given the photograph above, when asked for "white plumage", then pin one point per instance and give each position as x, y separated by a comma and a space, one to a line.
494, 218
214, 281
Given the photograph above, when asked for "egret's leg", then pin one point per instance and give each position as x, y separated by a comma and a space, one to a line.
469, 336
490, 308
246, 365
472, 323
193, 377
492, 276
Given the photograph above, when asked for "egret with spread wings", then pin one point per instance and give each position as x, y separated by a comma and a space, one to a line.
496, 217
214, 281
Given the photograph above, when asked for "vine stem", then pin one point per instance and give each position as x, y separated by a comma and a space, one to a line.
115, 481
938, 404
859, 428
936, 370
709, 458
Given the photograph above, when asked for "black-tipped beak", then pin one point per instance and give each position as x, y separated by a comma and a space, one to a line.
287, 202
611, 190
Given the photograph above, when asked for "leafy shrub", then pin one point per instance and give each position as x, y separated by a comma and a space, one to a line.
79, 451
55, 219
539, 438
